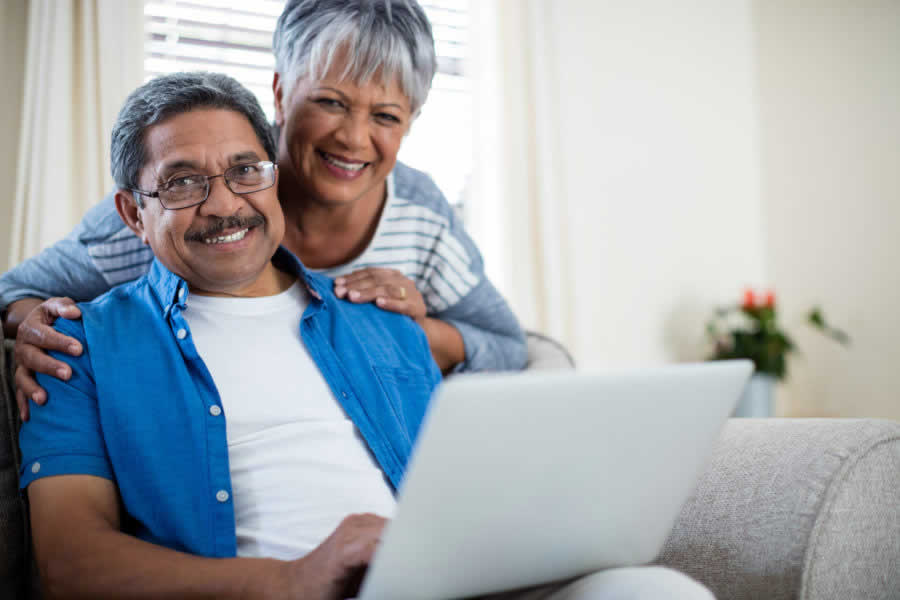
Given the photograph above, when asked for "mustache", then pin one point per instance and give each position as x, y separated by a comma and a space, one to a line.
217, 225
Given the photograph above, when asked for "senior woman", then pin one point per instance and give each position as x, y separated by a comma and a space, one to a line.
351, 76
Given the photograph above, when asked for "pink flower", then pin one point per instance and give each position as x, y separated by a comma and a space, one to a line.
749, 299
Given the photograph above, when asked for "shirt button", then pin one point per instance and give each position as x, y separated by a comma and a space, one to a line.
344, 394
182, 333
36, 467
214, 410
181, 293
222, 496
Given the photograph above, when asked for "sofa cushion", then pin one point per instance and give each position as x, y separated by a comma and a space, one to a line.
795, 508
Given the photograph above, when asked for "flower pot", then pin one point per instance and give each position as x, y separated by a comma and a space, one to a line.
758, 399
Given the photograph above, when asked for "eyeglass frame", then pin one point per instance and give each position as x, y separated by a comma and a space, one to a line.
266, 164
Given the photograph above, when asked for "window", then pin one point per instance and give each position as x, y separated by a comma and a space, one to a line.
226, 36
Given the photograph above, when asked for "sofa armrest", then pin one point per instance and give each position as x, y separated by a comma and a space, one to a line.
14, 543
546, 353
795, 508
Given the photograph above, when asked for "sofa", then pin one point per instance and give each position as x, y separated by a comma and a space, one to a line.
786, 508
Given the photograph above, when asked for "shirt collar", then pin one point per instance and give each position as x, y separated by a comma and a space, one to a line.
172, 290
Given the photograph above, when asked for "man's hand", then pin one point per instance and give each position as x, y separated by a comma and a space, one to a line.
335, 569
35, 336
388, 288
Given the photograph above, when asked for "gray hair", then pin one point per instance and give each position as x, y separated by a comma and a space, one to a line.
170, 95
391, 35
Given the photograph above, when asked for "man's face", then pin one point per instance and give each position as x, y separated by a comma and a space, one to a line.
340, 139
224, 245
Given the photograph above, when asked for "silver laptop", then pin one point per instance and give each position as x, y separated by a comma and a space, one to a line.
522, 479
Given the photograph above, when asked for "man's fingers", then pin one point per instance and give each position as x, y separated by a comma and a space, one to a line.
32, 358
29, 388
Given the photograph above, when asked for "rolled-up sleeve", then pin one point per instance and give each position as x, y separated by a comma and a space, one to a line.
64, 437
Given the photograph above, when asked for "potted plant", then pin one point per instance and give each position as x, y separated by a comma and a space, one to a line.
750, 330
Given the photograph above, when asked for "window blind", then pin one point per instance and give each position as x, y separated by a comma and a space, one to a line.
235, 37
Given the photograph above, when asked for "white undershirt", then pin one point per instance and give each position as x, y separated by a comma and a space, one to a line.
298, 464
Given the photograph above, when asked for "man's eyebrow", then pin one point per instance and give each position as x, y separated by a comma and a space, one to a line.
178, 164
184, 163
242, 157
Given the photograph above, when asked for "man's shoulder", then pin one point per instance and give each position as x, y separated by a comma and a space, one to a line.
124, 300
379, 328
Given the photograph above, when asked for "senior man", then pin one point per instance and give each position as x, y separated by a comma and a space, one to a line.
226, 400
231, 429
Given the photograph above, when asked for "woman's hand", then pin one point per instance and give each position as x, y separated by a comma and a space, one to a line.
393, 291
387, 288
34, 338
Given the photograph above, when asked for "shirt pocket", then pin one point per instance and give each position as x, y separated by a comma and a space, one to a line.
408, 392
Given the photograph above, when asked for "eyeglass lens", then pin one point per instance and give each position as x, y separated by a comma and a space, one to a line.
240, 179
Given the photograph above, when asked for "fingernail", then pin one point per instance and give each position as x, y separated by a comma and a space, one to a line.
380, 301
340, 291
62, 373
340, 280
354, 294
74, 349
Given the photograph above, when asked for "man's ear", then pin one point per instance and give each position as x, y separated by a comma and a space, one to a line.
278, 91
126, 206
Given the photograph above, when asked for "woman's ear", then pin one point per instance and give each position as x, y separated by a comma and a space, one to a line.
278, 91
130, 212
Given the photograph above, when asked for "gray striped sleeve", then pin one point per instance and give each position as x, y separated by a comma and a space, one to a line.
99, 253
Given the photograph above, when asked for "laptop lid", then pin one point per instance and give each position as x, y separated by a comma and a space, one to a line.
521, 479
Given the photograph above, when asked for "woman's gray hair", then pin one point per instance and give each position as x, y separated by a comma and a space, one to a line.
391, 35
169, 95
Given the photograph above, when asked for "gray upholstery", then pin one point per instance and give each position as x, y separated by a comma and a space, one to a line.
14, 562
806, 509
796, 508
545, 353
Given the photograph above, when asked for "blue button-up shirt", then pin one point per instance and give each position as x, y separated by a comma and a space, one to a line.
139, 407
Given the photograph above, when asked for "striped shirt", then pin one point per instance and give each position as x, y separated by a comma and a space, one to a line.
418, 234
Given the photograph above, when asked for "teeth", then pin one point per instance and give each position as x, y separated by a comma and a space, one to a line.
237, 235
344, 165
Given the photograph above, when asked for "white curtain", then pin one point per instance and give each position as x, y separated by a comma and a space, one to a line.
617, 191
519, 211
82, 59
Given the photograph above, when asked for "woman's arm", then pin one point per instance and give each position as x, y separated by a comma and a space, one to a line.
66, 268
491, 334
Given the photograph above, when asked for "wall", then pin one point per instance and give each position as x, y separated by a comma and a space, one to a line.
656, 171
829, 80
692, 149
12, 73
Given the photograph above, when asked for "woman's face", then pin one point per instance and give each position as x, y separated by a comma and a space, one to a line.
339, 139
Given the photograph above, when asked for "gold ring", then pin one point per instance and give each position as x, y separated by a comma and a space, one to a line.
402, 293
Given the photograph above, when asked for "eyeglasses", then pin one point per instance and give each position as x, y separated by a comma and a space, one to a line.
191, 190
